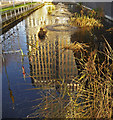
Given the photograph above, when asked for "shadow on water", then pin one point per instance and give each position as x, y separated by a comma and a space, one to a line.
42, 66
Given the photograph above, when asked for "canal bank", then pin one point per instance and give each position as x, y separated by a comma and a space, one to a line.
18, 15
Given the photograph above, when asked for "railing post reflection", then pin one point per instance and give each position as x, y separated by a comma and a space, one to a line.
45, 60
57, 56
48, 50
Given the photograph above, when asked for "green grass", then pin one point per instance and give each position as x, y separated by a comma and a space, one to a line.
16, 6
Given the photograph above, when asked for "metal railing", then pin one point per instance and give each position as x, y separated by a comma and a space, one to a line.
14, 12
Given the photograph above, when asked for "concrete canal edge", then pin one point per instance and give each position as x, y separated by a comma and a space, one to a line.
4, 26
107, 8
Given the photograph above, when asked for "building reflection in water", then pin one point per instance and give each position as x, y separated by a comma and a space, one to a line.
47, 60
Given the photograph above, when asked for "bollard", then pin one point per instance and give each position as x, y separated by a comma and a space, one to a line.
6, 16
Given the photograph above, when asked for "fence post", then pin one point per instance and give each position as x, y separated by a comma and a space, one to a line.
6, 16
24, 9
11, 13
15, 12
0, 18
21, 9
18, 11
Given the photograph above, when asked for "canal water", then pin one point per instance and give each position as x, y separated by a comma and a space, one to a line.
35, 70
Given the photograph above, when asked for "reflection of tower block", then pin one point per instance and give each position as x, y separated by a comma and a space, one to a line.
50, 64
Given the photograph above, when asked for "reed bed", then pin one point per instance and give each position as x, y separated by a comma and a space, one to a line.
87, 18
95, 87
93, 95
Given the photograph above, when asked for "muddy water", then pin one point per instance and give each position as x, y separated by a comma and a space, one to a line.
30, 63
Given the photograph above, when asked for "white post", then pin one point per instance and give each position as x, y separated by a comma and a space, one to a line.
24, 9
13, 3
6, 16
0, 18
11, 13
24, 2
15, 12
21, 9
18, 11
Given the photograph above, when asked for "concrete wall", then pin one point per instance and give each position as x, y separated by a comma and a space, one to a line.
106, 6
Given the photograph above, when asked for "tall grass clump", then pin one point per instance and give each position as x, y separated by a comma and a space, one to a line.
95, 87
87, 18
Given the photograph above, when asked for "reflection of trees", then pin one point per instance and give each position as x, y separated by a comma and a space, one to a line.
57, 57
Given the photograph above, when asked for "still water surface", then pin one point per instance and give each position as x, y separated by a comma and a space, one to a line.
30, 63
42, 63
